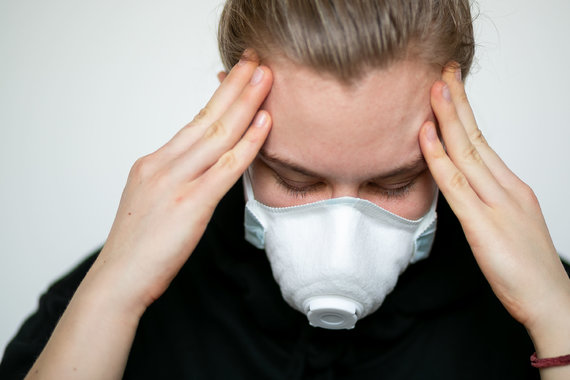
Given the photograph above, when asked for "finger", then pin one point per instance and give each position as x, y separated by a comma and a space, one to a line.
463, 153
228, 91
451, 181
221, 76
221, 176
224, 133
452, 76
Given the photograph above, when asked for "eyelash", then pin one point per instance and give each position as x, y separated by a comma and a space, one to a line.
301, 192
398, 192
298, 192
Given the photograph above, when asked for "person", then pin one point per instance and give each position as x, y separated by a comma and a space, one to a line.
355, 113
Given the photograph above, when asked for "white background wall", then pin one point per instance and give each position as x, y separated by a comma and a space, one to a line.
88, 87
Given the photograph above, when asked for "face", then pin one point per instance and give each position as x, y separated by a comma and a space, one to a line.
330, 140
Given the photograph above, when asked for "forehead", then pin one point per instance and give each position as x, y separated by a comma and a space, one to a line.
349, 131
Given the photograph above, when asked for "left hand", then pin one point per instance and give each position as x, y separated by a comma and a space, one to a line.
500, 216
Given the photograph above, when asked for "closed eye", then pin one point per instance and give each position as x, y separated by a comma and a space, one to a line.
392, 192
296, 190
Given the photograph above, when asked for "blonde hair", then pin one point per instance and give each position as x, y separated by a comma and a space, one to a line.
346, 37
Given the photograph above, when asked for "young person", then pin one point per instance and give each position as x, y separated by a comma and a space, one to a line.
331, 113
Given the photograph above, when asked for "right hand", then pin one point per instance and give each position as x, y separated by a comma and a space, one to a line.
171, 194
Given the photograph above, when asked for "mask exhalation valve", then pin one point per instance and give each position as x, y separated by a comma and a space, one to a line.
332, 312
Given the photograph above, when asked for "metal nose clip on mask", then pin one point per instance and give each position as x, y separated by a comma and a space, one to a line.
336, 260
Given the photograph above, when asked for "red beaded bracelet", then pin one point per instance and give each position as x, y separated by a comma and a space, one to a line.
549, 362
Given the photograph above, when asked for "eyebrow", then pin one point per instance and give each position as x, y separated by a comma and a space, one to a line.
417, 165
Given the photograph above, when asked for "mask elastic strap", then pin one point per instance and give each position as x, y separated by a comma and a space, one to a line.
424, 239
432, 210
248, 189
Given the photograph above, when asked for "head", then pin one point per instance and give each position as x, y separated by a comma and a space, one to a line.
350, 93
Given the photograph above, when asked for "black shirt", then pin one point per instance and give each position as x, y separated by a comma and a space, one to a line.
223, 317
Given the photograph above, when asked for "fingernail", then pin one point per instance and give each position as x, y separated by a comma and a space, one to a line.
431, 133
257, 76
458, 74
260, 119
446, 94
242, 61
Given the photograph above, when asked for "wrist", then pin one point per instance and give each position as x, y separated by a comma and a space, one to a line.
96, 331
550, 330
109, 286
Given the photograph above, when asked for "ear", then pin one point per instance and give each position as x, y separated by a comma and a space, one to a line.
222, 75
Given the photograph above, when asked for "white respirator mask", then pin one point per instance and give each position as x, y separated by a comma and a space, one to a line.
336, 260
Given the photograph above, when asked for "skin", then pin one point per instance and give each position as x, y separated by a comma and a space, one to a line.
502, 221
330, 140
381, 124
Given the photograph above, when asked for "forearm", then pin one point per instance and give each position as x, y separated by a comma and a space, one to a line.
93, 338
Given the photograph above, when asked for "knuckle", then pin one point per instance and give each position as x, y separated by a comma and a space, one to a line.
471, 154
202, 115
477, 137
142, 167
528, 195
216, 131
189, 126
148, 171
228, 161
458, 181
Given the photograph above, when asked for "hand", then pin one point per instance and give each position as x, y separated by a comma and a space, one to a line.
171, 194
500, 216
